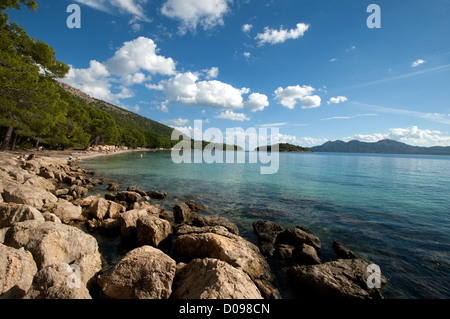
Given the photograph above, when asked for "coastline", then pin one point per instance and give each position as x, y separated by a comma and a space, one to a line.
51, 195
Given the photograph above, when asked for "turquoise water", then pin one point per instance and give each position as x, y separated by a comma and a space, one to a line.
391, 209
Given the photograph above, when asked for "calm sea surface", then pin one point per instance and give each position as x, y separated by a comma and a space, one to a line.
393, 210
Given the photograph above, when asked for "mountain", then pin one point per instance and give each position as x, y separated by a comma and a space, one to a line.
284, 147
382, 147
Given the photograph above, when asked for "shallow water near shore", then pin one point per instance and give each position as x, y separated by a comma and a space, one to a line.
393, 210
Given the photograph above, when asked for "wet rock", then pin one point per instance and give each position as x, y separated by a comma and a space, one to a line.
128, 197
267, 232
195, 207
113, 187
213, 279
157, 194
344, 278
216, 221
305, 255
17, 270
297, 237
144, 273
138, 190
182, 213
342, 252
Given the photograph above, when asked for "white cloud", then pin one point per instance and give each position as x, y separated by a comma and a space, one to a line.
130, 65
247, 55
133, 7
256, 102
247, 27
417, 63
188, 89
207, 13
333, 60
179, 121
411, 135
337, 100
230, 115
272, 36
211, 73
293, 95
140, 54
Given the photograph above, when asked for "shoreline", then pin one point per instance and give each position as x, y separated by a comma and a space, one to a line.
50, 196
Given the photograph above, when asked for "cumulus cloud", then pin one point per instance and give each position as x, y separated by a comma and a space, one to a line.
417, 63
187, 88
256, 102
337, 100
412, 135
211, 73
140, 54
191, 13
230, 115
133, 63
273, 36
293, 95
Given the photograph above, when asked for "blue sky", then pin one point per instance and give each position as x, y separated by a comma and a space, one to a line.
313, 69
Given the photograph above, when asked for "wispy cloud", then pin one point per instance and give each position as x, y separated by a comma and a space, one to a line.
399, 77
347, 117
434, 117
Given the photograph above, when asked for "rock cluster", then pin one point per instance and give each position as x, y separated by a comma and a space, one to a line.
298, 251
172, 253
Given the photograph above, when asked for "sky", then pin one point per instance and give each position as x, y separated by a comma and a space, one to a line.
317, 70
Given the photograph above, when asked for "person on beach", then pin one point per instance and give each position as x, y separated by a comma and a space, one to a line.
142, 156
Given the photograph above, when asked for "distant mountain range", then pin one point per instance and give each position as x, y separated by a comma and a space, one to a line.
283, 147
382, 147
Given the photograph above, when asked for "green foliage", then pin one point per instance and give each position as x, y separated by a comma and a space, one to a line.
284, 147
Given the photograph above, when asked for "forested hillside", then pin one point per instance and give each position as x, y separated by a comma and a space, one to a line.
37, 110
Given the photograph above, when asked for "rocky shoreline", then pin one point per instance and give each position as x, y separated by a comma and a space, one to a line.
172, 254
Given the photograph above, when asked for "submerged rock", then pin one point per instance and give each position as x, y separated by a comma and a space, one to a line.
342, 252
267, 232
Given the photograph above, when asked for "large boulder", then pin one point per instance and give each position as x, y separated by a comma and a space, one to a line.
17, 269
144, 273
11, 213
128, 222
217, 242
213, 279
152, 230
28, 195
58, 281
40, 182
103, 209
53, 243
344, 278
66, 211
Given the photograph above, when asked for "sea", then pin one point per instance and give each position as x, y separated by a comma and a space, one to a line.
393, 210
